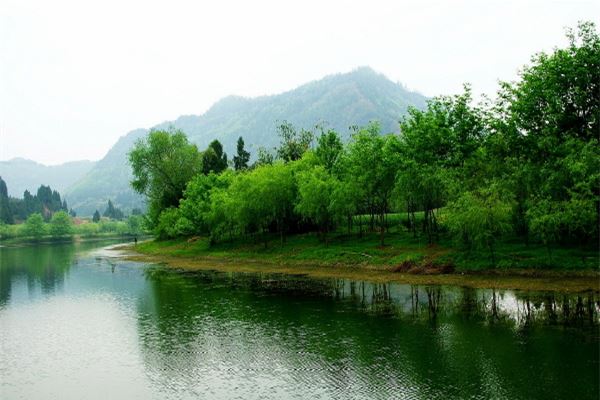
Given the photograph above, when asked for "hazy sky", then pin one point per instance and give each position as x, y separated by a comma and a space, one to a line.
76, 75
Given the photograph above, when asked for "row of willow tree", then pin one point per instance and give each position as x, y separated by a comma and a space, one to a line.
526, 165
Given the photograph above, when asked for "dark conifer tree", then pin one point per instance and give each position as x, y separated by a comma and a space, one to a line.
5, 212
240, 161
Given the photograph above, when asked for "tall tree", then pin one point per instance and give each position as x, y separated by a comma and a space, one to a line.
293, 143
240, 161
61, 224
112, 211
373, 161
163, 163
214, 159
329, 148
5, 212
547, 141
34, 226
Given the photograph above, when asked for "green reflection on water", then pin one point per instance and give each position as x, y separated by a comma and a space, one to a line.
222, 335
376, 339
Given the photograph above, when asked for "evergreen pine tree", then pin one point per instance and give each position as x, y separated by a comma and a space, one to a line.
240, 161
5, 213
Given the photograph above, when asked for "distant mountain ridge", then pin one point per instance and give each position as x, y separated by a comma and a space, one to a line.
337, 101
21, 174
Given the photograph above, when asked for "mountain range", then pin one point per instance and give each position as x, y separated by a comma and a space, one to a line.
21, 174
337, 101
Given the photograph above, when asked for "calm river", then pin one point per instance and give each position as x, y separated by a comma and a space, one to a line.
78, 323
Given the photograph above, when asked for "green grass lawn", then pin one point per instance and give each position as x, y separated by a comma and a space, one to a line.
352, 250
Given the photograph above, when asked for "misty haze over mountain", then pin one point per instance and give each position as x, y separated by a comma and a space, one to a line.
337, 101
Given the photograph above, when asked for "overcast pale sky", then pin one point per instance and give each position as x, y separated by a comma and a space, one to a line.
76, 75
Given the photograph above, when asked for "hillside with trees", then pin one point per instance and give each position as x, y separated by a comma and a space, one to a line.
44, 216
45, 202
336, 102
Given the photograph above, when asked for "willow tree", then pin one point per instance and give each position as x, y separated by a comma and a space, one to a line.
372, 161
480, 218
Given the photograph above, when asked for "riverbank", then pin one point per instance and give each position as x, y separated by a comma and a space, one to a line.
404, 260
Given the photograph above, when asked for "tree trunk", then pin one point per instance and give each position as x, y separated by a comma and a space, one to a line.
382, 228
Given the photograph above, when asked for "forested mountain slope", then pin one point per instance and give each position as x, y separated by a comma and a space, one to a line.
337, 101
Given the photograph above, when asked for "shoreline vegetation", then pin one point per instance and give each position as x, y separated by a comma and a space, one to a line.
28, 241
463, 189
61, 229
402, 261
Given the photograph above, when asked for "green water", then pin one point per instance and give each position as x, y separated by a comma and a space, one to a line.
77, 323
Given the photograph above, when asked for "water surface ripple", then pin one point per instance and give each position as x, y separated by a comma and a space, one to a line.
77, 323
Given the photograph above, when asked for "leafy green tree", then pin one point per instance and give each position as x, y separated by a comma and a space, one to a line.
162, 164
345, 201
558, 95
170, 224
315, 197
446, 134
422, 188
554, 222
548, 133
240, 161
439, 145
196, 203
480, 218
34, 226
96, 216
265, 157
260, 199
135, 224
329, 149
224, 211
372, 162
293, 143
61, 224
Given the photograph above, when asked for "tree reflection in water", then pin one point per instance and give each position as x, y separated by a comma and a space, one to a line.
368, 340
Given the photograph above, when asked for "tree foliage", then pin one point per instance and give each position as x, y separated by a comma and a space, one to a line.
61, 224
162, 165
214, 159
34, 226
525, 166
293, 143
240, 160
112, 211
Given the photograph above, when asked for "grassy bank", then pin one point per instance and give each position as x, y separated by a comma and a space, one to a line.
405, 259
402, 250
